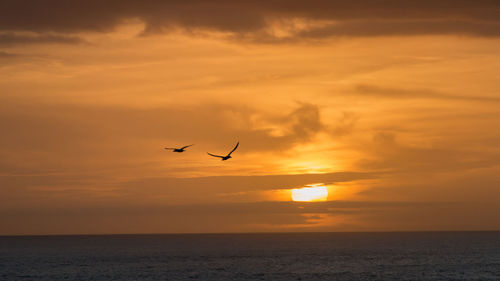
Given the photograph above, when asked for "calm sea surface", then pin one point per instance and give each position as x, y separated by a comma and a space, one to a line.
300, 256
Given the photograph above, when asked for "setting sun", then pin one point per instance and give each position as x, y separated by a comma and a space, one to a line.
308, 194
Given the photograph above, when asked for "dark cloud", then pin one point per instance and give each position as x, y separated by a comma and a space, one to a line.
353, 18
305, 121
389, 154
276, 216
9, 39
252, 208
151, 219
221, 184
366, 90
52, 204
78, 189
404, 28
6, 55
473, 185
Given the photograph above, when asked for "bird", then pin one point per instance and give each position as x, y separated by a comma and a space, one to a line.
224, 158
179, 149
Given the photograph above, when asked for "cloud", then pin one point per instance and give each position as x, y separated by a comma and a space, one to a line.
367, 90
158, 219
345, 124
191, 204
10, 39
347, 18
253, 216
64, 203
304, 122
6, 55
107, 136
389, 154
403, 27
81, 189
249, 208
224, 184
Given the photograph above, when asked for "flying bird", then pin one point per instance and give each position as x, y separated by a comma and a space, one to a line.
224, 158
179, 149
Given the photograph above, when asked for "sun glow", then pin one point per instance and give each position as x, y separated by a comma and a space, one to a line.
310, 194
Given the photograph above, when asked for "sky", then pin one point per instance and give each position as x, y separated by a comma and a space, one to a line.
392, 106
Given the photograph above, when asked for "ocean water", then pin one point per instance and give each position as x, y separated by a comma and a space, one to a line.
282, 256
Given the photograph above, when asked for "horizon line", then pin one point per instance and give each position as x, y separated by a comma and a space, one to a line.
243, 233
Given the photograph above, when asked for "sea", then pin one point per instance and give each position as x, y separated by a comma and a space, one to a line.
261, 256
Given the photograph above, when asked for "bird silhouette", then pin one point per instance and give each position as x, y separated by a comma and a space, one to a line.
179, 149
224, 158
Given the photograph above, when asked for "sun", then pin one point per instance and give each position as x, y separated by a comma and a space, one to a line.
310, 194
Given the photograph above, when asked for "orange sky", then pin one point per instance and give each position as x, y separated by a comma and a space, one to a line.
392, 105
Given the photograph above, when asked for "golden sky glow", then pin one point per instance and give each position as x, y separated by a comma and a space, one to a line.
392, 109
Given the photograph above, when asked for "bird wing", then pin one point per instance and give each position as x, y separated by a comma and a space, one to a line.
187, 146
234, 148
215, 155
169, 148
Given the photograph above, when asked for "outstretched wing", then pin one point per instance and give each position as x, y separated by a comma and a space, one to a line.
187, 146
169, 148
215, 155
234, 148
